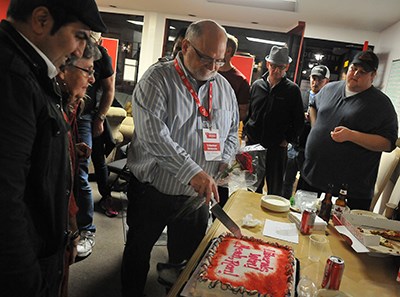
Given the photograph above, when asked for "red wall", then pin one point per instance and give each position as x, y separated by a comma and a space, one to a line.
244, 65
3, 8
111, 45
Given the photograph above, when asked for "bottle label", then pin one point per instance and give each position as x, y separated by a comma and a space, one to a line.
338, 210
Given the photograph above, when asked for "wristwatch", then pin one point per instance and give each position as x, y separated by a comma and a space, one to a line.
101, 116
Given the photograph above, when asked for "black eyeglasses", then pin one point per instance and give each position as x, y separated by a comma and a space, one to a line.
90, 72
206, 60
280, 67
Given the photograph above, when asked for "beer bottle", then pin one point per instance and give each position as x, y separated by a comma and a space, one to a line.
326, 205
341, 202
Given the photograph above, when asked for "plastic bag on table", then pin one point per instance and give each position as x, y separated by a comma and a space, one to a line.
305, 199
246, 170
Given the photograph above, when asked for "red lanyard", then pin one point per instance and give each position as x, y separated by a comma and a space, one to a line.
203, 111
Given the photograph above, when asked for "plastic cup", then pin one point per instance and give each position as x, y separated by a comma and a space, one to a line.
390, 207
317, 246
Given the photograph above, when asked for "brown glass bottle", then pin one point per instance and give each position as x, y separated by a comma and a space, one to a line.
341, 202
326, 205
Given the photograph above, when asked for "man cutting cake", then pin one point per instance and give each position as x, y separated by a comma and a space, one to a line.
186, 120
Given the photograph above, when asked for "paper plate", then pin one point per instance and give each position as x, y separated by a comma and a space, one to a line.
367, 213
275, 203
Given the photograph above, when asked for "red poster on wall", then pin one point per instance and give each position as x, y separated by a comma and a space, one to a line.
3, 8
244, 64
111, 44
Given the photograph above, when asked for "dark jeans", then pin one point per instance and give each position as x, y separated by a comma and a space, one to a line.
294, 163
100, 166
275, 165
149, 211
223, 193
84, 199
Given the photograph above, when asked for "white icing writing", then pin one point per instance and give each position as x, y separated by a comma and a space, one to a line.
230, 262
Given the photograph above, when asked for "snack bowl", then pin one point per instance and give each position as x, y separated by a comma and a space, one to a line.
275, 203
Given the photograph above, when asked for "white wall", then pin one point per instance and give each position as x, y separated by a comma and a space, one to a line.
152, 40
154, 27
340, 34
388, 49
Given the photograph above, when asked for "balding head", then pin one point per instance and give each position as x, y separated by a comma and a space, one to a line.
203, 28
204, 48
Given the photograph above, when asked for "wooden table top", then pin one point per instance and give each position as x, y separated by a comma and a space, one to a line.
364, 275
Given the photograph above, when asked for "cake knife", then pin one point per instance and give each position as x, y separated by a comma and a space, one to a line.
223, 217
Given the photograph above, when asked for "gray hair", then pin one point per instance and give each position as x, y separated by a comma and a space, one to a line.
196, 29
91, 51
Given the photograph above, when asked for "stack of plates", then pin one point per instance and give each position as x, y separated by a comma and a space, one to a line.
275, 203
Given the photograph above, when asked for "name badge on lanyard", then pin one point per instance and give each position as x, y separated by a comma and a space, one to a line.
211, 143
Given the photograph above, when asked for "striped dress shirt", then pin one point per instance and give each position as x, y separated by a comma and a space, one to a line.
167, 145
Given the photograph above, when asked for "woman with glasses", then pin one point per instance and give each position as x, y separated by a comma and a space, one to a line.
75, 77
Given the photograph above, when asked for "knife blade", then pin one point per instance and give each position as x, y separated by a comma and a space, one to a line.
223, 217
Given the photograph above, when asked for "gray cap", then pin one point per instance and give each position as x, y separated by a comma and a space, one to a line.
279, 55
321, 71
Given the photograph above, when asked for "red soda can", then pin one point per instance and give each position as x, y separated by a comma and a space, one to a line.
307, 221
398, 276
333, 273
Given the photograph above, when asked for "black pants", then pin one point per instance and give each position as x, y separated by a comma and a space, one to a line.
275, 166
149, 211
100, 166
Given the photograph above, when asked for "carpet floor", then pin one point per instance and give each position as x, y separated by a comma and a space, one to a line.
98, 275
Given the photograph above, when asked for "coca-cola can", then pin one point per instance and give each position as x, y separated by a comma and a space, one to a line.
398, 276
307, 221
333, 273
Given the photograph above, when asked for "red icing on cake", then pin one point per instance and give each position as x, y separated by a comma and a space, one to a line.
249, 265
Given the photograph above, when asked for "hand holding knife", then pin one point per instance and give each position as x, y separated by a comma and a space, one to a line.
223, 217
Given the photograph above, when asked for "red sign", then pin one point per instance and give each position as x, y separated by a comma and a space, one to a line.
111, 44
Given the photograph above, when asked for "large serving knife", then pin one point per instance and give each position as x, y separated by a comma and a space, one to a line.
221, 215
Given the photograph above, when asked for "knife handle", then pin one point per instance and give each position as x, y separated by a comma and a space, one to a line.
213, 201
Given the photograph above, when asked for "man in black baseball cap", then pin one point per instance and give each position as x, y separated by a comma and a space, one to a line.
36, 181
367, 60
355, 123
85, 11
